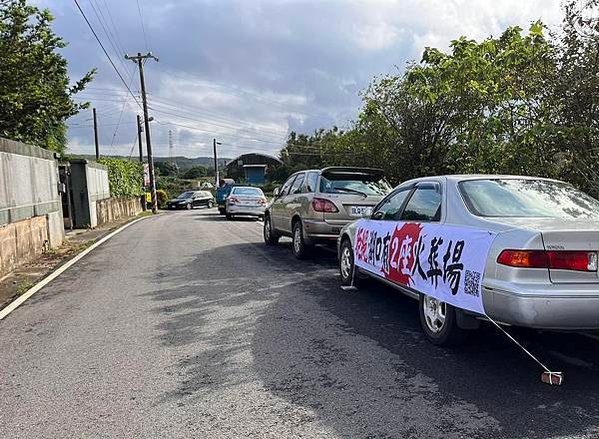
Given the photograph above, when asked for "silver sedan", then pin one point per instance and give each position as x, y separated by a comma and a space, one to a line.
245, 201
538, 270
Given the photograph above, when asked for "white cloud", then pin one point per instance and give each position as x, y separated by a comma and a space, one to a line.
302, 62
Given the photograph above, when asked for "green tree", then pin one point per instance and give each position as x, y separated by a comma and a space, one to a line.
35, 95
522, 103
195, 172
166, 169
575, 89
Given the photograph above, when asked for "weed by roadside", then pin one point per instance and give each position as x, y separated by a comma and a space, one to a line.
23, 286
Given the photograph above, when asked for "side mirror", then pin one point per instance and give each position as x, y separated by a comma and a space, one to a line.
276, 192
378, 215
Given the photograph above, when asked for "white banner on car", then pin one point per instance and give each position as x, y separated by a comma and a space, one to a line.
444, 262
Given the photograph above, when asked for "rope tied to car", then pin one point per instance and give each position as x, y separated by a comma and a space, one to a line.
548, 376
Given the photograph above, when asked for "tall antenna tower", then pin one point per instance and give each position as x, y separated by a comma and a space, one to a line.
171, 149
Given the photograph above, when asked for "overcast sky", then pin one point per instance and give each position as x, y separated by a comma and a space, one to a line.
249, 71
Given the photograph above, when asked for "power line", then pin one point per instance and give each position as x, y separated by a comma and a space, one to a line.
220, 125
222, 135
213, 115
76, 127
116, 31
143, 28
237, 91
120, 116
105, 52
283, 144
107, 32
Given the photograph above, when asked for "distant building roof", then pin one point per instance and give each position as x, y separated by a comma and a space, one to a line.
267, 157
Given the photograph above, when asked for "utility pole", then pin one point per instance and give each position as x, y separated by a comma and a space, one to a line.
139, 59
216, 177
139, 140
96, 134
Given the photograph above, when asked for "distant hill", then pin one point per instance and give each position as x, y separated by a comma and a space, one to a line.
184, 163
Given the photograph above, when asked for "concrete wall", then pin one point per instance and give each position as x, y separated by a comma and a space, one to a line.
22, 242
30, 205
114, 208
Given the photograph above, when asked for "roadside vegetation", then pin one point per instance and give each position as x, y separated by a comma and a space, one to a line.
124, 176
520, 103
35, 96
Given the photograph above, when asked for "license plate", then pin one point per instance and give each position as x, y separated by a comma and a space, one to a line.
361, 210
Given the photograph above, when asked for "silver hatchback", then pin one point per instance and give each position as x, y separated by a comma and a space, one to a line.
540, 268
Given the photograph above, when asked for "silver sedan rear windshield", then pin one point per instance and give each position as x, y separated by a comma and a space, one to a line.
252, 191
527, 198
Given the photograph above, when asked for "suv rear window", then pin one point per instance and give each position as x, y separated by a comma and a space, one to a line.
360, 184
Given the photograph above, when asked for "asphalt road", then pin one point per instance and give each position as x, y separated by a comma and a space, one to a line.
186, 325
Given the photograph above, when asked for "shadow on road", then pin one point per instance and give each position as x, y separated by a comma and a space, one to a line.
358, 360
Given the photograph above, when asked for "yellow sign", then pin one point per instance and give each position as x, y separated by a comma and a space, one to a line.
148, 197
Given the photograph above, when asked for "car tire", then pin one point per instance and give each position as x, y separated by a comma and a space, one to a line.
298, 245
222, 211
270, 235
229, 216
439, 322
347, 267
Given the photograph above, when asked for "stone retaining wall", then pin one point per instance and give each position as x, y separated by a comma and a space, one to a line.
111, 209
22, 242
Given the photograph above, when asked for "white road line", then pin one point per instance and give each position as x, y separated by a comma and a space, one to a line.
30, 292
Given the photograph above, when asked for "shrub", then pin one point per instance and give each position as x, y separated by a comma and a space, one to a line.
125, 177
161, 197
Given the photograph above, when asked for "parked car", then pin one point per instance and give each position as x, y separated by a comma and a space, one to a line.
539, 269
312, 206
222, 192
246, 201
191, 199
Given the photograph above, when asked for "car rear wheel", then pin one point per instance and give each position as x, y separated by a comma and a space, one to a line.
229, 216
221, 210
270, 236
347, 267
299, 247
439, 322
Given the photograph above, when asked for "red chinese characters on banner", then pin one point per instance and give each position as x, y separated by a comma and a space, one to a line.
403, 253
362, 245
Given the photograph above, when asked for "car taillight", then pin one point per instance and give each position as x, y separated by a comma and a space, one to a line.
573, 260
323, 205
233, 200
559, 260
262, 201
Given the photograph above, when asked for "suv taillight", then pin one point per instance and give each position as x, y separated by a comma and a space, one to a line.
559, 260
233, 200
324, 205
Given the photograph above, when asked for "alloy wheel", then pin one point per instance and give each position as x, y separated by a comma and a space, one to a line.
297, 240
267, 230
346, 262
435, 313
